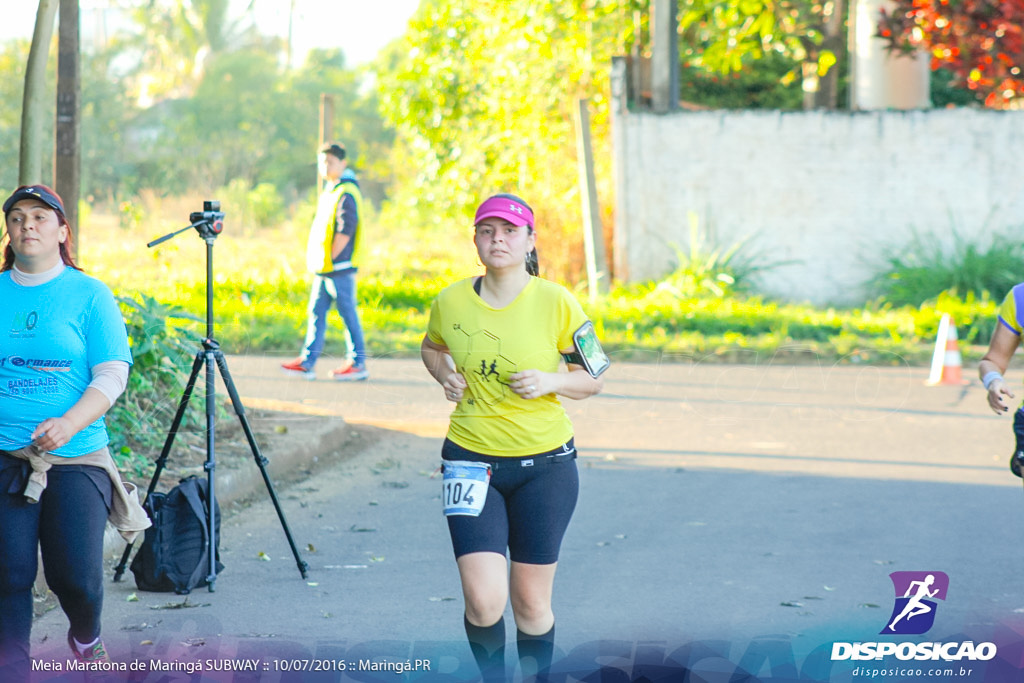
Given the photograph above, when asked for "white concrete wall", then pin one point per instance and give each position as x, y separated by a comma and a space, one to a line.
831, 191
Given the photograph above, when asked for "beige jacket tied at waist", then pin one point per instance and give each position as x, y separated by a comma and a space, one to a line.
126, 513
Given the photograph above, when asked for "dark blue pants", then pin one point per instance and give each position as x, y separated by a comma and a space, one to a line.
67, 526
339, 288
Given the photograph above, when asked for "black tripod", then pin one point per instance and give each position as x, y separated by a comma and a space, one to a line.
209, 224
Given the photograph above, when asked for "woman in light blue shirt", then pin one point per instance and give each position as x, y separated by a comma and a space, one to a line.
64, 360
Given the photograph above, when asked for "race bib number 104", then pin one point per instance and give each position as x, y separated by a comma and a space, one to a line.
464, 487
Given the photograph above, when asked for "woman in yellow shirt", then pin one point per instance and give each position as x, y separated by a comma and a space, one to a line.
495, 344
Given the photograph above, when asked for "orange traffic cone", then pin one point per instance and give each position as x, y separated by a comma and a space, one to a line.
947, 363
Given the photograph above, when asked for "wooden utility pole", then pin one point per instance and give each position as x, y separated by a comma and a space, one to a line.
67, 153
593, 235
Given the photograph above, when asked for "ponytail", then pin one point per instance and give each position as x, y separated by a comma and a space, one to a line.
532, 264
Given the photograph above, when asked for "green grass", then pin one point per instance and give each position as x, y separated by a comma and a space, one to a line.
260, 317
752, 330
269, 317
703, 312
261, 292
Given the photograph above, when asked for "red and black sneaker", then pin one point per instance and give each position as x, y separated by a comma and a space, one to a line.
349, 372
295, 367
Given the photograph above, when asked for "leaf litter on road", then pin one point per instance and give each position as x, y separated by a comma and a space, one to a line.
140, 627
184, 604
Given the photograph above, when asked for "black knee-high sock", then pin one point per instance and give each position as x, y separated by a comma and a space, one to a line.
535, 654
488, 646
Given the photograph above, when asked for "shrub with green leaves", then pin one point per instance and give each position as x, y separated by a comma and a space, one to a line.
265, 204
162, 356
922, 269
252, 207
704, 268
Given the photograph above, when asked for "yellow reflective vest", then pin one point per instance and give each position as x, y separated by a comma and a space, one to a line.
321, 233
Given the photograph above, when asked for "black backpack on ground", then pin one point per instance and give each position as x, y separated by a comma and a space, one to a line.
174, 554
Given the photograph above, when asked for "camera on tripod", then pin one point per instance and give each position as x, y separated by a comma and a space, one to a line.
209, 223
211, 218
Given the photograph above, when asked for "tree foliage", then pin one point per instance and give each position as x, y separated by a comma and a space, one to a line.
483, 94
726, 36
478, 96
246, 120
251, 119
13, 57
178, 37
106, 116
979, 41
765, 84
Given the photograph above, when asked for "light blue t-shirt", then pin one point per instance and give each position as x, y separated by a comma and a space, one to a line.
51, 336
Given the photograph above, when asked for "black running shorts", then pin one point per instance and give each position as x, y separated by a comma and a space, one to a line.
529, 504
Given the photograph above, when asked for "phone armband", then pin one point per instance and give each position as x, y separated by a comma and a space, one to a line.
587, 351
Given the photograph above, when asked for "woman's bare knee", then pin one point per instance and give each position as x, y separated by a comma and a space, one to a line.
485, 587
483, 614
531, 610
531, 588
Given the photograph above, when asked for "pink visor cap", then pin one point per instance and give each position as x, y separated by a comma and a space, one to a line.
514, 212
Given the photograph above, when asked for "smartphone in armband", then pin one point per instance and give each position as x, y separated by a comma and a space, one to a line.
587, 351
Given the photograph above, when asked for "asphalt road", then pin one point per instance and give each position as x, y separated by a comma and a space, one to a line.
734, 523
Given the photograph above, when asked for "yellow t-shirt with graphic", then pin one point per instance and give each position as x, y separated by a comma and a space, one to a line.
488, 345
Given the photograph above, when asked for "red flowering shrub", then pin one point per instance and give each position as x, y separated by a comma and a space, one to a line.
979, 41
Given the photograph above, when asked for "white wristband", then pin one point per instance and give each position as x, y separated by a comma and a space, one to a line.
991, 377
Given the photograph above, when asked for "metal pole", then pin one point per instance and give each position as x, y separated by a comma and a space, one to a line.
664, 56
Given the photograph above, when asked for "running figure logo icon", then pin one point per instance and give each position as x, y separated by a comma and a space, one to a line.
916, 592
